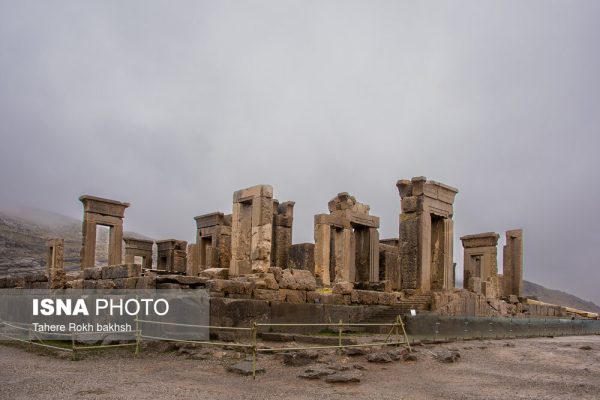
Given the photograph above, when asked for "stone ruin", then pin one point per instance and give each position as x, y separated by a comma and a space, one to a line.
99, 211
481, 263
213, 241
251, 230
172, 256
512, 277
426, 234
346, 242
249, 255
55, 262
135, 247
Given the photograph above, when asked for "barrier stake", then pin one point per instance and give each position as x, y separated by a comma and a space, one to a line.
254, 350
405, 335
340, 337
137, 336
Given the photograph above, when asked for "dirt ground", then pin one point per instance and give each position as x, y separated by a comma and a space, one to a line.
541, 368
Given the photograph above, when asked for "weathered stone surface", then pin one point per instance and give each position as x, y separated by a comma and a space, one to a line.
121, 271
379, 357
344, 377
300, 358
146, 282
302, 256
364, 297
122, 283
168, 286
92, 273
230, 286
316, 372
215, 273
75, 284
268, 295
342, 287
35, 277
297, 279
293, 296
355, 351
244, 368
11, 282
448, 356
410, 357
263, 280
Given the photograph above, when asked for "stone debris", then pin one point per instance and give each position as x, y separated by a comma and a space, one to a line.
300, 358
334, 373
448, 356
355, 351
410, 357
244, 368
344, 377
379, 358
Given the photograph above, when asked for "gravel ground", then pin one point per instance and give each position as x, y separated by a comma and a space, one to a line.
541, 368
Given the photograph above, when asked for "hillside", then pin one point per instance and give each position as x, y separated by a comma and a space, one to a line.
552, 296
23, 235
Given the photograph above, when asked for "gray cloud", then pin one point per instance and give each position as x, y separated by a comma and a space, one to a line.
173, 106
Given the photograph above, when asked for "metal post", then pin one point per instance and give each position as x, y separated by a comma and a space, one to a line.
405, 335
73, 354
340, 337
137, 336
254, 350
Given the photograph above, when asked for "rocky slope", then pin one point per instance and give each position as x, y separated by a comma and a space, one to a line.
23, 235
552, 296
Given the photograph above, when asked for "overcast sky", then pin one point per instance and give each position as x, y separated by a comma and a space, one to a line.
174, 105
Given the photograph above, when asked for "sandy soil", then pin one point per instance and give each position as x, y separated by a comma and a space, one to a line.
542, 368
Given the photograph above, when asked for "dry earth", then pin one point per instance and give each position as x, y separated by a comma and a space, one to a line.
542, 368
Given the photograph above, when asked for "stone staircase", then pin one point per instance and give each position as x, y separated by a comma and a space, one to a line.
419, 302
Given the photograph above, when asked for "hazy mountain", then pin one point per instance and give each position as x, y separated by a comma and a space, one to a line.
553, 296
23, 235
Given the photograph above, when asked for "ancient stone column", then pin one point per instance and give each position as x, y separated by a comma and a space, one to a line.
513, 263
251, 230
283, 218
55, 263
99, 211
426, 234
322, 251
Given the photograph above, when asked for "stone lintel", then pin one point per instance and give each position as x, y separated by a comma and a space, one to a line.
171, 244
136, 243
208, 220
250, 193
333, 220
486, 239
98, 205
361, 219
420, 186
